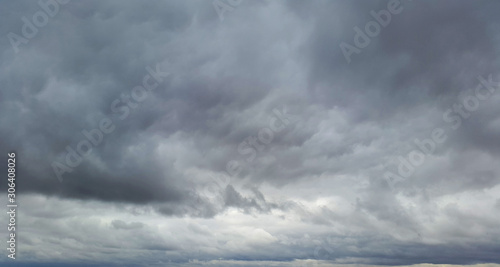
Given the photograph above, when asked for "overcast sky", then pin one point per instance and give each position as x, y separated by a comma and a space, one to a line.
252, 133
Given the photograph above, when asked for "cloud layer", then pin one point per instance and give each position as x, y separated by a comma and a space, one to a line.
252, 140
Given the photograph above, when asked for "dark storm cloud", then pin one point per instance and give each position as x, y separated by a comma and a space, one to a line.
96, 62
317, 183
99, 60
430, 51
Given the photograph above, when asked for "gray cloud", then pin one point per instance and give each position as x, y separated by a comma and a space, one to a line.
156, 191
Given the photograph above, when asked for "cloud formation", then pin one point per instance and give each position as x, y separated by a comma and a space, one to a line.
189, 176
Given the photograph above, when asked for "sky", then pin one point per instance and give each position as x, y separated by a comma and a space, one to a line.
252, 133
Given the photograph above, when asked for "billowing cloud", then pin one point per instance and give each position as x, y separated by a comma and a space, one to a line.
156, 134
